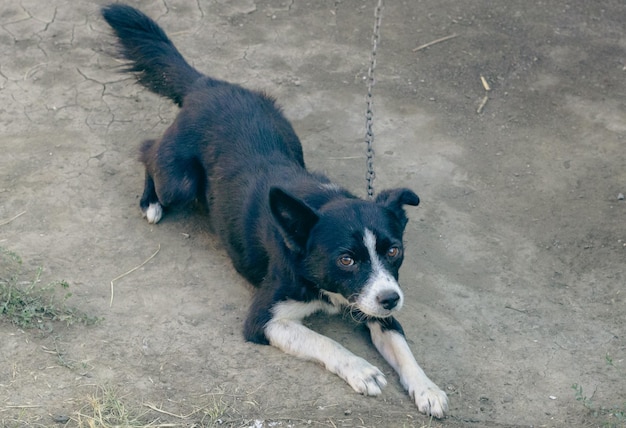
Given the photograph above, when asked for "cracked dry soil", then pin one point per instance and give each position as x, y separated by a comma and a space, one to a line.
514, 274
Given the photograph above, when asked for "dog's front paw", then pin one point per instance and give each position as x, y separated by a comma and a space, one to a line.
431, 400
363, 377
153, 213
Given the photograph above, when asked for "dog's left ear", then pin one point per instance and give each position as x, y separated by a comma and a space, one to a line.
395, 199
294, 217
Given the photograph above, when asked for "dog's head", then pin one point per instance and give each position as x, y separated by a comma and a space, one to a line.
349, 247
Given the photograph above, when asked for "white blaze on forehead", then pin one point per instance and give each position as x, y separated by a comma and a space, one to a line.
369, 239
380, 282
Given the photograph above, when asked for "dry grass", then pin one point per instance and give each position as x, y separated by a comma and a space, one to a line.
108, 407
27, 303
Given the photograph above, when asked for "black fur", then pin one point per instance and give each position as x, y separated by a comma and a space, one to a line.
158, 64
285, 228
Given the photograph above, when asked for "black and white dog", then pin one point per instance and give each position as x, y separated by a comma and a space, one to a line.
305, 243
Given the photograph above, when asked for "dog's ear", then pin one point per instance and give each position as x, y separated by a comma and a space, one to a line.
295, 218
395, 199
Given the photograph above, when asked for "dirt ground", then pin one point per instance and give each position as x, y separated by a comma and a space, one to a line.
516, 257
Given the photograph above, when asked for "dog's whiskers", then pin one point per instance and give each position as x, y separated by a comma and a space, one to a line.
355, 313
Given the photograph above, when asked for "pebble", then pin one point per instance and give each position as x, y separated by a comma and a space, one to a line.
620, 197
61, 419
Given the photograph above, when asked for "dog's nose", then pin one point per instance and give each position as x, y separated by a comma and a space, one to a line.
388, 299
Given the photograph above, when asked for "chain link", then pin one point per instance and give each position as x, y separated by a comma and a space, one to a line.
369, 115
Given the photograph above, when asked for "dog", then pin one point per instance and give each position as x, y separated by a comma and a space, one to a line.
306, 244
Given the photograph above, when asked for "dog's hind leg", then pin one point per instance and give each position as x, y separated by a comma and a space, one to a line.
150, 206
172, 178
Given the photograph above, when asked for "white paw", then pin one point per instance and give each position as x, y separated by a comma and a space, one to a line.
431, 400
154, 213
363, 377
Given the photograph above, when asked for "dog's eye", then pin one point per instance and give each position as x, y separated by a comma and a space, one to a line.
345, 261
393, 252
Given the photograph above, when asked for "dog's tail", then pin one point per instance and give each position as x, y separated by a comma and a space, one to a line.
152, 55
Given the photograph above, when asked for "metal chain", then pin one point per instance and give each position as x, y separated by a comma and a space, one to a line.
369, 115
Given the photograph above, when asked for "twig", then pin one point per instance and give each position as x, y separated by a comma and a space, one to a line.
524, 311
33, 70
156, 409
434, 42
131, 271
485, 83
12, 218
482, 104
25, 406
487, 88
344, 158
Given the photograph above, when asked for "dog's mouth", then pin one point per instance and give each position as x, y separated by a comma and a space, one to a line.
363, 308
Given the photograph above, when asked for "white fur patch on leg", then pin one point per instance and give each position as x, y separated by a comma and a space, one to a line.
393, 347
286, 332
154, 213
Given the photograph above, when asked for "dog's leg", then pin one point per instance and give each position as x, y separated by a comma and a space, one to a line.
390, 342
149, 204
173, 176
289, 335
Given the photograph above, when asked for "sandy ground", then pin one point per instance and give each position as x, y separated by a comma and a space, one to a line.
515, 266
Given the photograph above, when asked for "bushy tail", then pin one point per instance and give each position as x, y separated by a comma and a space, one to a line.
153, 57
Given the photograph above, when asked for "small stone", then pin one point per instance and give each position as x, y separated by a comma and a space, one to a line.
61, 419
620, 197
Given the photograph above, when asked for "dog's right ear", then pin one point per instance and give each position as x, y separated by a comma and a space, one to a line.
395, 199
294, 217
